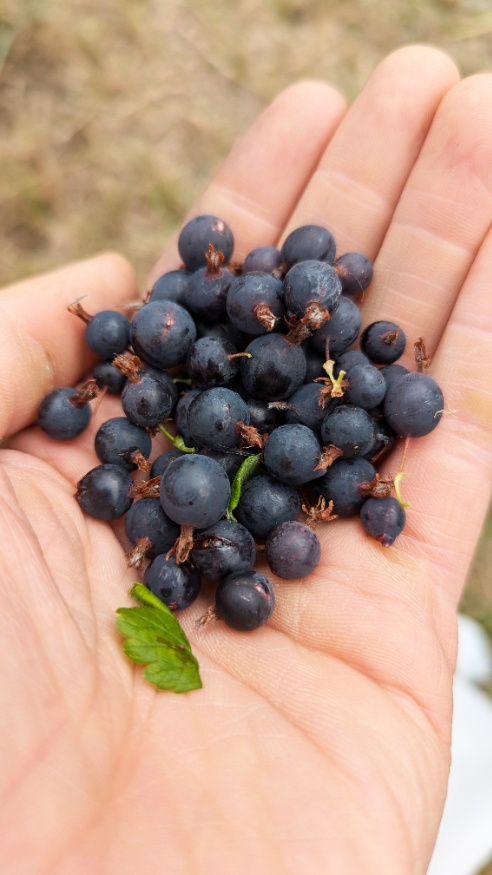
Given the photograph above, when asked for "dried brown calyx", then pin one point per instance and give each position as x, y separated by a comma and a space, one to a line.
328, 456
138, 555
86, 393
301, 327
215, 260
321, 512
183, 545
149, 489
249, 436
129, 365
265, 317
422, 357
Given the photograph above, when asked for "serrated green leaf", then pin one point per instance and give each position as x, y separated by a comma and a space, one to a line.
154, 638
246, 471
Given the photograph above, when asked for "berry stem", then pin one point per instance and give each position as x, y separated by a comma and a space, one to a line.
176, 440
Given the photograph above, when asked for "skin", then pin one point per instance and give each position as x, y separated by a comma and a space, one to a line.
320, 744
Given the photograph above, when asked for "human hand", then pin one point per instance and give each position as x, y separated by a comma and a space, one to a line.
320, 742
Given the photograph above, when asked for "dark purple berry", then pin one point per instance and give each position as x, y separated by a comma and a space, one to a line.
60, 418
383, 342
223, 549
275, 369
308, 242
162, 333
244, 600
171, 286
146, 519
108, 333
265, 502
413, 405
118, 438
355, 272
195, 491
383, 519
196, 237
263, 259
292, 453
176, 585
104, 492
292, 550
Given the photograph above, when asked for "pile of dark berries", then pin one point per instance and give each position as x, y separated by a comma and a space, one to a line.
277, 420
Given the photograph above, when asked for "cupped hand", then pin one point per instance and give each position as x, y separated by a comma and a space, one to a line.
320, 743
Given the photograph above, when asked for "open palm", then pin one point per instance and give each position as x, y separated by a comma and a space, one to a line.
319, 744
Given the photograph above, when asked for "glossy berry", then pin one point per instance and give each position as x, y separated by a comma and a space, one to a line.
355, 272
383, 519
195, 491
147, 401
348, 359
310, 282
108, 333
181, 415
162, 462
117, 438
265, 502
275, 369
214, 417
175, 585
340, 331
383, 342
342, 485
146, 519
230, 460
206, 294
390, 373
211, 362
109, 377
292, 550
104, 492
413, 405
261, 416
223, 549
171, 286
308, 242
244, 600
292, 453
197, 235
60, 418
366, 386
263, 259
309, 406
255, 303
162, 333
349, 428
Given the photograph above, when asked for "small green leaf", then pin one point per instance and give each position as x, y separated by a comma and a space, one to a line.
155, 639
246, 471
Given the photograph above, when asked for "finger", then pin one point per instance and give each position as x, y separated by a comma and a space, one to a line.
443, 215
360, 177
43, 345
260, 182
449, 480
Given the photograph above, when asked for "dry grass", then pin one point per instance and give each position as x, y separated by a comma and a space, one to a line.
113, 115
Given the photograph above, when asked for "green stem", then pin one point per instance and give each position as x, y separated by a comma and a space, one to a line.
176, 440
397, 480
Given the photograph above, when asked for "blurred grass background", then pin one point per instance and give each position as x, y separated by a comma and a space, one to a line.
114, 114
